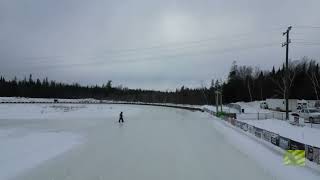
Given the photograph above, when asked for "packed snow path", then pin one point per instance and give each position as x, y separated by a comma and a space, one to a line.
153, 143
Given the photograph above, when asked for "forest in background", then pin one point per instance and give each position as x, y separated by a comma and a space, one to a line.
244, 83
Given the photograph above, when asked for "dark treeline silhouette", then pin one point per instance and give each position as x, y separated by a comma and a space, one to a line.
244, 83
247, 84
51, 89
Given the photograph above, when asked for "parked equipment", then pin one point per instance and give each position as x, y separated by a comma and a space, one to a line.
311, 115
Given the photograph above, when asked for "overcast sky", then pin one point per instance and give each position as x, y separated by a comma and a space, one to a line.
151, 44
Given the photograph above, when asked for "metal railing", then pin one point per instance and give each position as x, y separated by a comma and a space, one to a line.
262, 116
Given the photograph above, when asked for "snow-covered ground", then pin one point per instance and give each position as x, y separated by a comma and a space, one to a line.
72, 141
252, 107
306, 135
84, 101
24, 99
267, 155
249, 108
224, 108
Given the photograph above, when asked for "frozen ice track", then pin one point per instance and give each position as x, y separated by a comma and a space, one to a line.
154, 143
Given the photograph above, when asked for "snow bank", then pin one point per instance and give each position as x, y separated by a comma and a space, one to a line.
35, 100
61, 111
224, 108
304, 134
267, 158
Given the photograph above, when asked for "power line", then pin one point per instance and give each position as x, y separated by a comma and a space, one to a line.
167, 46
120, 56
167, 57
163, 51
306, 27
308, 43
247, 34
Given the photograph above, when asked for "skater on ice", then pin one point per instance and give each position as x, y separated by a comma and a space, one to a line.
121, 118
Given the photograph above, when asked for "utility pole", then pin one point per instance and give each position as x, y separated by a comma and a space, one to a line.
221, 102
217, 101
286, 85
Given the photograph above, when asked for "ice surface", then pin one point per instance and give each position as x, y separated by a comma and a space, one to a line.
153, 143
23, 150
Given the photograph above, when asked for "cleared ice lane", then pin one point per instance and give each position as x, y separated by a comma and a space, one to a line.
156, 143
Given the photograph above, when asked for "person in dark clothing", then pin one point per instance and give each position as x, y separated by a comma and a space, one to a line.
121, 118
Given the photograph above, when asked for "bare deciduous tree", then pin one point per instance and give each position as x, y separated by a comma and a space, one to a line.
245, 73
281, 83
313, 76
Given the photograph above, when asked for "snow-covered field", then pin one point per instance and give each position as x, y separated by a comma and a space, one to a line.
252, 107
24, 99
75, 141
224, 108
306, 135
249, 108
80, 101
267, 155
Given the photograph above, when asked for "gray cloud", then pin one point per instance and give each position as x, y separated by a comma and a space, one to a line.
149, 44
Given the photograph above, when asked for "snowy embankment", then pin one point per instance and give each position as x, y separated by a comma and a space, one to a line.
224, 108
249, 108
37, 100
56, 111
277, 133
306, 135
264, 153
22, 100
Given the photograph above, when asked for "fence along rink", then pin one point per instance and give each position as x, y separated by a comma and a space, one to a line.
312, 153
262, 116
256, 116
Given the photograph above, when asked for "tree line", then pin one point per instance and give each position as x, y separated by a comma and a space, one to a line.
37, 88
244, 83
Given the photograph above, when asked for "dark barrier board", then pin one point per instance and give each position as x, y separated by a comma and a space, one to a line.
284, 143
294, 145
309, 152
244, 126
233, 122
274, 139
238, 124
251, 129
316, 155
231, 115
258, 132
266, 135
